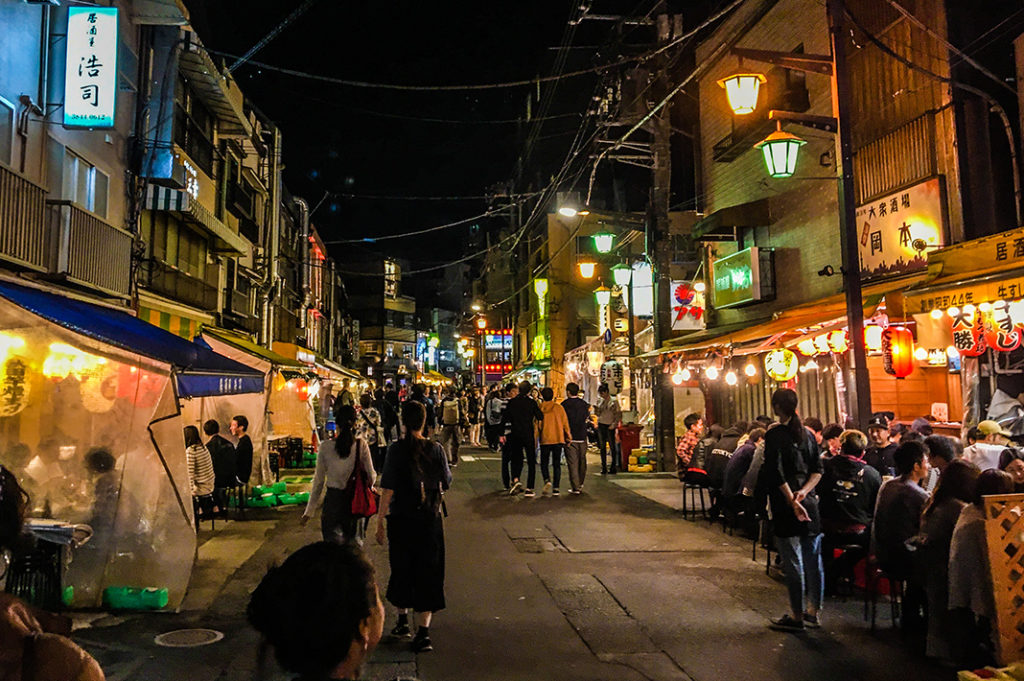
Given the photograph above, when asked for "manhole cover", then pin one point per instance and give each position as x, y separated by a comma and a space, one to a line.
188, 638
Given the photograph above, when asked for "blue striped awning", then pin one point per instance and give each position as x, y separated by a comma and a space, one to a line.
177, 201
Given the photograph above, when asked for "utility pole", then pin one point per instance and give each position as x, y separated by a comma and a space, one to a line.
859, 388
660, 252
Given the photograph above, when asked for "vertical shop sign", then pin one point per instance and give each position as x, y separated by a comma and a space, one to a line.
90, 80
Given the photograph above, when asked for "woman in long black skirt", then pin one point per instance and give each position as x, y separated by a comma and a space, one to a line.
415, 476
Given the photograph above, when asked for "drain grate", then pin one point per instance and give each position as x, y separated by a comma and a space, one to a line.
188, 638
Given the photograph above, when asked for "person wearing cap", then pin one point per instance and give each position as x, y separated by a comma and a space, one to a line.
985, 452
881, 447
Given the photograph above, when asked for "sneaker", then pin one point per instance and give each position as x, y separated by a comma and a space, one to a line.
554, 492
401, 631
422, 644
811, 621
516, 486
547, 488
529, 493
786, 623
574, 491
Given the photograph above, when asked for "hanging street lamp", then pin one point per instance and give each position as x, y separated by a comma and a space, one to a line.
622, 275
603, 294
741, 91
587, 268
603, 242
780, 151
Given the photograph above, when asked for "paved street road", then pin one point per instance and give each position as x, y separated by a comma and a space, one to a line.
610, 585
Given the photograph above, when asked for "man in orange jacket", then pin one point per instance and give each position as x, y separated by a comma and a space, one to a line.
554, 434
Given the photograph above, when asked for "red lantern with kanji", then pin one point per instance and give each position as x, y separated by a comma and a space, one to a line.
1000, 332
898, 351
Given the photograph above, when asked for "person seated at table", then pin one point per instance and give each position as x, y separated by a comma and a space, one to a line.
320, 612
33, 643
1012, 461
848, 491
971, 593
739, 463
830, 441
898, 518
687, 445
955, 490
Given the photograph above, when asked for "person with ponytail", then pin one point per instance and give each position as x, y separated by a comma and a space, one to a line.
415, 477
791, 471
336, 461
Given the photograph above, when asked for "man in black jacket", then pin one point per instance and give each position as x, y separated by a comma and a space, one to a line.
578, 413
243, 450
225, 467
521, 416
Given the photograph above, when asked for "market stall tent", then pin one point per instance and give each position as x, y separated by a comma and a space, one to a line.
90, 424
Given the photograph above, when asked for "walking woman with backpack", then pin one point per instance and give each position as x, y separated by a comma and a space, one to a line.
416, 474
338, 462
791, 471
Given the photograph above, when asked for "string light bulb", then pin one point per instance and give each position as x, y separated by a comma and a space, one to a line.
686, 373
937, 313
750, 370
730, 378
712, 373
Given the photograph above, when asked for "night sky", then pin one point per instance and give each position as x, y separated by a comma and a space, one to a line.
347, 140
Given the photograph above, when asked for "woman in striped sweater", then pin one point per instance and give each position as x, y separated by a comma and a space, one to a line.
200, 469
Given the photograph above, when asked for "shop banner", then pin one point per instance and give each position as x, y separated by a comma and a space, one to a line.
90, 79
687, 307
897, 231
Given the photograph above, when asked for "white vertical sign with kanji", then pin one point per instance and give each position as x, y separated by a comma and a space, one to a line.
897, 231
90, 79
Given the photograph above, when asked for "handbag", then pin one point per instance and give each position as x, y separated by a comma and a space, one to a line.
364, 498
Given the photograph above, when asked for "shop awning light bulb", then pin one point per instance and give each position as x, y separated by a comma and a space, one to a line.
677, 378
686, 373
731, 378
750, 370
712, 373
920, 354
603, 242
937, 313
953, 312
952, 352
741, 91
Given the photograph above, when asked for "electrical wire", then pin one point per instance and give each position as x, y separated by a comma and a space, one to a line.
389, 237
276, 31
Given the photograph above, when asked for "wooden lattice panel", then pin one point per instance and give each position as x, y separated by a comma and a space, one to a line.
1004, 532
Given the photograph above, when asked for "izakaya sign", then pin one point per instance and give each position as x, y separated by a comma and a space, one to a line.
90, 79
687, 307
898, 230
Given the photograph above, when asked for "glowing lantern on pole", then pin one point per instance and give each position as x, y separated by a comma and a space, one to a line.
780, 151
898, 351
741, 91
587, 269
603, 294
781, 365
603, 242
838, 342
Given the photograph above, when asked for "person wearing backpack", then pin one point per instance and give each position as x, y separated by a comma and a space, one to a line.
791, 470
452, 418
336, 463
493, 409
415, 477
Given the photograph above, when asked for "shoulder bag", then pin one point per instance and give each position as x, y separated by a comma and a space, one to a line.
364, 498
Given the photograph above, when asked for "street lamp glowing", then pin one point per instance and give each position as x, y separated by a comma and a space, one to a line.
475, 307
481, 323
780, 151
603, 294
622, 274
540, 287
603, 242
587, 269
568, 211
741, 91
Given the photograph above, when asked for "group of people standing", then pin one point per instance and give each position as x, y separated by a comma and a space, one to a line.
907, 501
217, 465
525, 421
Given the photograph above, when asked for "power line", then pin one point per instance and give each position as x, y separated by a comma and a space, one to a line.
273, 34
382, 197
389, 237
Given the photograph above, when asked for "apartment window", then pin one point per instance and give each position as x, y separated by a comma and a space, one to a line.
82, 183
193, 127
171, 242
392, 275
6, 131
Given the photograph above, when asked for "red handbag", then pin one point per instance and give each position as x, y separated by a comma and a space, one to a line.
364, 499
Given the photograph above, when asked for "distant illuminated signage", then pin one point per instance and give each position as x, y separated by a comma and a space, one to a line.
90, 78
743, 277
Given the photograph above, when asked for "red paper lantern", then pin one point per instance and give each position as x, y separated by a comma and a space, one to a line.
898, 351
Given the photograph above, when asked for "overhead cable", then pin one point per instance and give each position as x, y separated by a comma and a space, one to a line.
270, 36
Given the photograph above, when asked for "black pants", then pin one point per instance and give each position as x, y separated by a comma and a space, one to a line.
506, 464
493, 433
337, 524
606, 441
416, 556
554, 453
517, 449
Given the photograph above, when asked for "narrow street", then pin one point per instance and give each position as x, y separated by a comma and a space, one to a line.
610, 585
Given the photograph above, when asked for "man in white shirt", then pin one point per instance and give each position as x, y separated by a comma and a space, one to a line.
985, 453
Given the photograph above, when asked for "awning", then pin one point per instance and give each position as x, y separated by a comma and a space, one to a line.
723, 224
198, 371
243, 342
193, 212
756, 335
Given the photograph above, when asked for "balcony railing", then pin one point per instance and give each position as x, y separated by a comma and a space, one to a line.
89, 251
167, 280
23, 234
